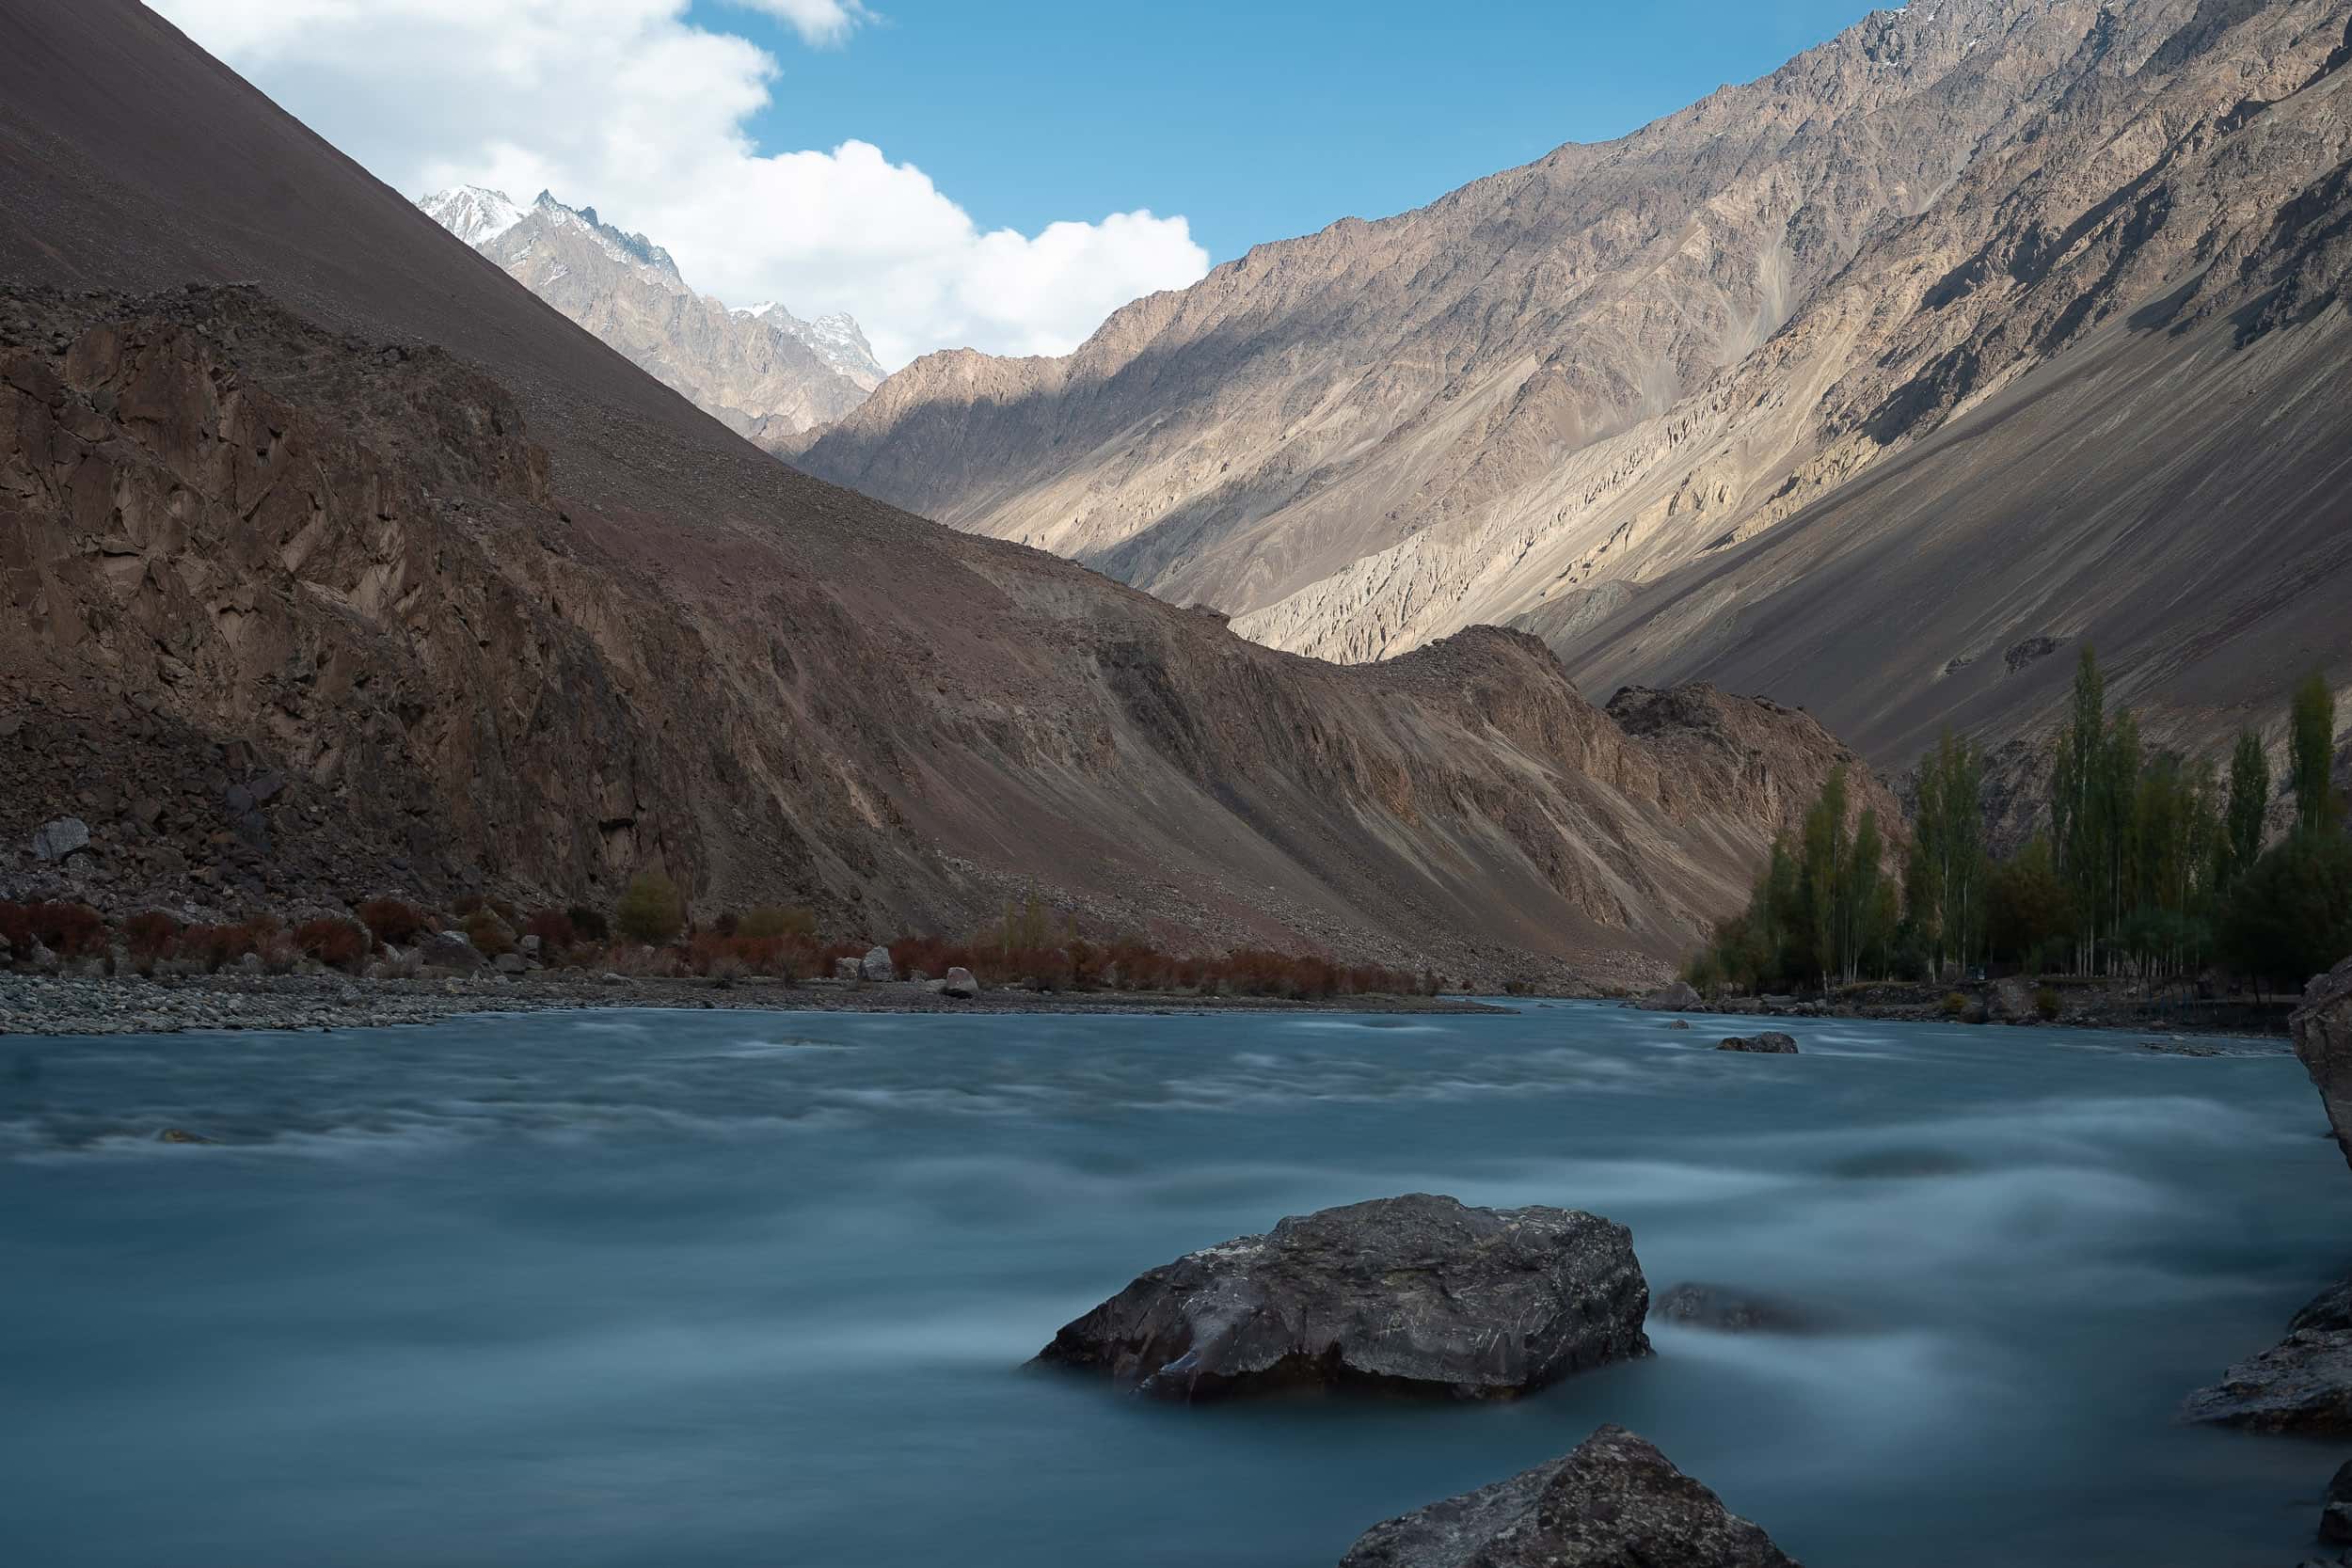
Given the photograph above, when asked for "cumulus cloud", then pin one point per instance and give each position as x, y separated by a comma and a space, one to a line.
624, 105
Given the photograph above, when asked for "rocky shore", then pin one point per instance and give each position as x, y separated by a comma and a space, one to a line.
47, 1005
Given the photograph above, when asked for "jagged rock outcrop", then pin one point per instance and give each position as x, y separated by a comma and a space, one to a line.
1415, 1295
1771, 1042
2302, 1384
1986, 328
1614, 1502
760, 370
2321, 1027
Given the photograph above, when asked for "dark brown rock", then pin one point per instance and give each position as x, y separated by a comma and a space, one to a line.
1770, 1043
2302, 1384
1614, 1502
1413, 1295
2323, 1043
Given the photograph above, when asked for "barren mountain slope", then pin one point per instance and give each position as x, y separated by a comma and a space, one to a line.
761, 371
379, 572
1556, 385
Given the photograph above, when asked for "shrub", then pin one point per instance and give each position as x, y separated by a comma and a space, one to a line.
650, 911
1955, 1004
70, 930
554, 930
337, 942
772, 920
472, 903
587, 923
489, 935
151, 934
16, 924
2045, 1002
219, 946
393, 923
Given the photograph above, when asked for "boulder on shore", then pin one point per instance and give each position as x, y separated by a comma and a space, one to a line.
959, 983
1613, 1501
449, 950
875, 966
1678, 997
1414, 1294
2335, 1513
2302, 1384
2323, 1043
1771, 1042
845, 969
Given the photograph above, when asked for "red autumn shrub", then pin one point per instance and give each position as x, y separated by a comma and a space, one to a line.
16, 924
554, 929
151, 934
70, 930
395, 924
337, 942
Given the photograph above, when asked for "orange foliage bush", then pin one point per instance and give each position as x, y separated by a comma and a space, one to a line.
394, 923
337, 942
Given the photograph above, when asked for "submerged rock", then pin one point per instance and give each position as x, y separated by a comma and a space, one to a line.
2302, 1384
1614, 1502
1414, 1294
1727, 1310
2323, 1043
1771, 1042
182, 1135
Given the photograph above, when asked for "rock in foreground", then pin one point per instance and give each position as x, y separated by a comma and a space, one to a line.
2302, 1384
1412, 1294
1771, 1042
1616, 1502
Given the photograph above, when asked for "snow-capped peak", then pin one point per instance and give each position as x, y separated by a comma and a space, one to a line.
474, 215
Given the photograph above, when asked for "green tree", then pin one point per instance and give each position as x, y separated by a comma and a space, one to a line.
1944, 875
2028, 906
2311, 754
2080, 827
2290, 916
2250, 804
650, 910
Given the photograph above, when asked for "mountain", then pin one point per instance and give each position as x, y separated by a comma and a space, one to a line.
1989, 328
332, 562
762, 372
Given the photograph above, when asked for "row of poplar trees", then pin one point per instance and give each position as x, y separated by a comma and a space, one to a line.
2153, 865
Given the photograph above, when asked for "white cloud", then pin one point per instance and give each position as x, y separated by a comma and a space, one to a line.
624, 105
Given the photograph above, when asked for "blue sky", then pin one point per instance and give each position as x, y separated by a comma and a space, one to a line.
1255, 121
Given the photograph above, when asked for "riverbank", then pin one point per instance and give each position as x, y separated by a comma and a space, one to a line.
2080, 1004
46, 1004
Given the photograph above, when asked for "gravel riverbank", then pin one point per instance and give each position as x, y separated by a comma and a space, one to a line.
42, 1004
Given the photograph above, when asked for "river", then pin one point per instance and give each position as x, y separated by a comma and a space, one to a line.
668, 1289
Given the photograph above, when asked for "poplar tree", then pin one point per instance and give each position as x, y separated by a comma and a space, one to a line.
2312, 744
2250, 804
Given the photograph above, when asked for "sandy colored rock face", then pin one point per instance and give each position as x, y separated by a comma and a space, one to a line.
1880, 385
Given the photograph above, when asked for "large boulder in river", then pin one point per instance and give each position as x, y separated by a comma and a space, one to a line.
1614, 1502
1415, 1295
2323, 1040
2301, 1383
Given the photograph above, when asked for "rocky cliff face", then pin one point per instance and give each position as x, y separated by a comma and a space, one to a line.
2323, 1041
353, 613
1989, 325
760, 370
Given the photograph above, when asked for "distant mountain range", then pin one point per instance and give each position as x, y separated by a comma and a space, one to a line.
1988, 330
763, 370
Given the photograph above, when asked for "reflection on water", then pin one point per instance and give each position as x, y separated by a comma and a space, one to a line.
665, 1289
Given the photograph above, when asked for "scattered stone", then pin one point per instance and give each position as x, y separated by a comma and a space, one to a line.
1614, 1502
1770, 1043
845, 969
530, 947
1413, 1295
1726, 1310
875, 966
511, 963
611, 979
2182, 1047
2335, 1513
2302, 1384
959, 983
1677, 1024
55, 840
1678, 997
449, 950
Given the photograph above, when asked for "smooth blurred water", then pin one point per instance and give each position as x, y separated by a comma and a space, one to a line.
677, 1289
